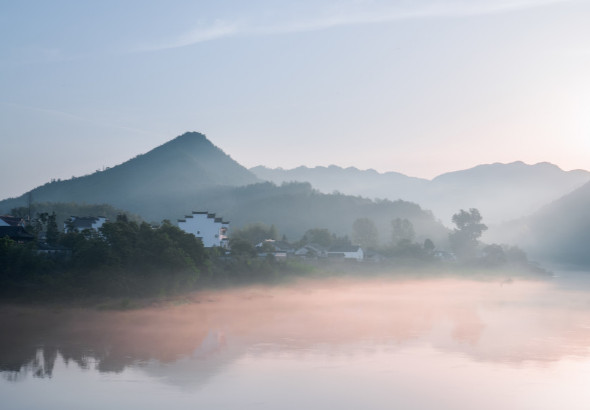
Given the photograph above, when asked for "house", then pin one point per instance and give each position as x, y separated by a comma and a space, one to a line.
79, 224
276, 246
312, 250
8, 220
211, 230
16, 233
279, 249
352, 252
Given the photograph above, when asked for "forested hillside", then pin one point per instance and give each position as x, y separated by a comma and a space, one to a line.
148, 182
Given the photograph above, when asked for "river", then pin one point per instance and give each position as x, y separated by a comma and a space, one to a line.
337, 343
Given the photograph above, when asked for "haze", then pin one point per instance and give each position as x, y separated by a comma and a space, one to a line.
518, 344
417, 87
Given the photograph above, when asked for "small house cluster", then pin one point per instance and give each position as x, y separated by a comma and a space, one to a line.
281, 250
212, 230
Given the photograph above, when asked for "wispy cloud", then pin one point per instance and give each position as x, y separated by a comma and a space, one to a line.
199, 34
69, 117
355, 13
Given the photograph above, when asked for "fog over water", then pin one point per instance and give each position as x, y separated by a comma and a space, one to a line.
327, 343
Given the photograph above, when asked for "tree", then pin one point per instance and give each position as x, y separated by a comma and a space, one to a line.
364, 233
241, 246
464, 238
428, 246
320, 236
401, 229
340, 241
255, 233
52, 233
494, 255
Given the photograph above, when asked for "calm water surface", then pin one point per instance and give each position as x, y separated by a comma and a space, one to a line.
326, 344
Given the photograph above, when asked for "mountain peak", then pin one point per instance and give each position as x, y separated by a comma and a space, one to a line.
191, 136
189, 140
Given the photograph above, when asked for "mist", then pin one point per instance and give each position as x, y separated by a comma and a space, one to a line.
488, 319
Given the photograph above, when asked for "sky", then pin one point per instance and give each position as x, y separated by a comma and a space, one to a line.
420, 87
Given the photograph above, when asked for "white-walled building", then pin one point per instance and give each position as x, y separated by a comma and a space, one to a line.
211, 230
347, 252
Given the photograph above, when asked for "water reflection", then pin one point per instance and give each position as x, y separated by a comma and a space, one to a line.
497, 322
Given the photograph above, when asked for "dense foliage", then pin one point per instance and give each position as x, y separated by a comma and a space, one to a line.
123, 257
129, 258
64, 210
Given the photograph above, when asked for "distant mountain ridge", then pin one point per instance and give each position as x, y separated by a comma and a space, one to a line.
500, 191
353, 181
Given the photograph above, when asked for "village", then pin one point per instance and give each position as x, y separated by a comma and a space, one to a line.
211, 230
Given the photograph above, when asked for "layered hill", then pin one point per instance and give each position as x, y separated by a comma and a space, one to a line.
296, 207
500, 191
352, 181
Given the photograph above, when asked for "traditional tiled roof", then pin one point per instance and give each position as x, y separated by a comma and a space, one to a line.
12, 220
16, 233
344, 249
279, 246
209, 216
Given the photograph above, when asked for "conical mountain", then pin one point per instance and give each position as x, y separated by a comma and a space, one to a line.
185, 165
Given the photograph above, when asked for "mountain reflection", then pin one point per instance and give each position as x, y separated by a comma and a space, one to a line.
509, 323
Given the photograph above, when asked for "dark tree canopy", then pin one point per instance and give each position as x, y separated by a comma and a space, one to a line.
401, 229
364, 233
320, 236
464, 238
255, 233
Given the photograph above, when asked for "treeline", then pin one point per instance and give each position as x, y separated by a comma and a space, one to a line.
125, 258
400, 246
122, 258
64, 210
129, 258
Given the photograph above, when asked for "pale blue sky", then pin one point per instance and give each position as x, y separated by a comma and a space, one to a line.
419, 87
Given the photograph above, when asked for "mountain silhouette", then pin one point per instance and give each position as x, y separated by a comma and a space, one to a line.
558, 232
500, 191
189, 163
